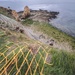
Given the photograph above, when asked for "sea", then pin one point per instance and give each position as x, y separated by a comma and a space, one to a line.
65, 21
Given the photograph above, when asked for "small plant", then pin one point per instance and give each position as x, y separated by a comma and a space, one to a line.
27, 21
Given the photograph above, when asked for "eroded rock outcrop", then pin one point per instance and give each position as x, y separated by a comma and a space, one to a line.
6, 11
15, 15
38, 15
26, 12
43, 15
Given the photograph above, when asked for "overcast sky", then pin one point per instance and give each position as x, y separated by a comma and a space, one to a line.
21, 3
41, 1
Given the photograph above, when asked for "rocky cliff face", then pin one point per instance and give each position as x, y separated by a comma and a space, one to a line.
35, 15
15, 15
43, 15
9, 12
38, 15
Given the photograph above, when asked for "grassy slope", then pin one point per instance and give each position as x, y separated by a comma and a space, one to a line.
52, 32
55, 33
63, 63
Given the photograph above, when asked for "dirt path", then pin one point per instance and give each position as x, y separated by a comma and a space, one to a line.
12, 25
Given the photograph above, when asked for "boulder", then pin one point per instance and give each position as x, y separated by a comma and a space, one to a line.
21, 31
15, 15
26, 12
51, 42
33, 48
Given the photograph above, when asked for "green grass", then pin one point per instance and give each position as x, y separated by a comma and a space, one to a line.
51, 32
27, 22
55, 33
63, 63
2, 38
26, 65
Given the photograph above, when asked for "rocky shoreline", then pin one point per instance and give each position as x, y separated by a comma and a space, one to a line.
36, 15
41, 15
